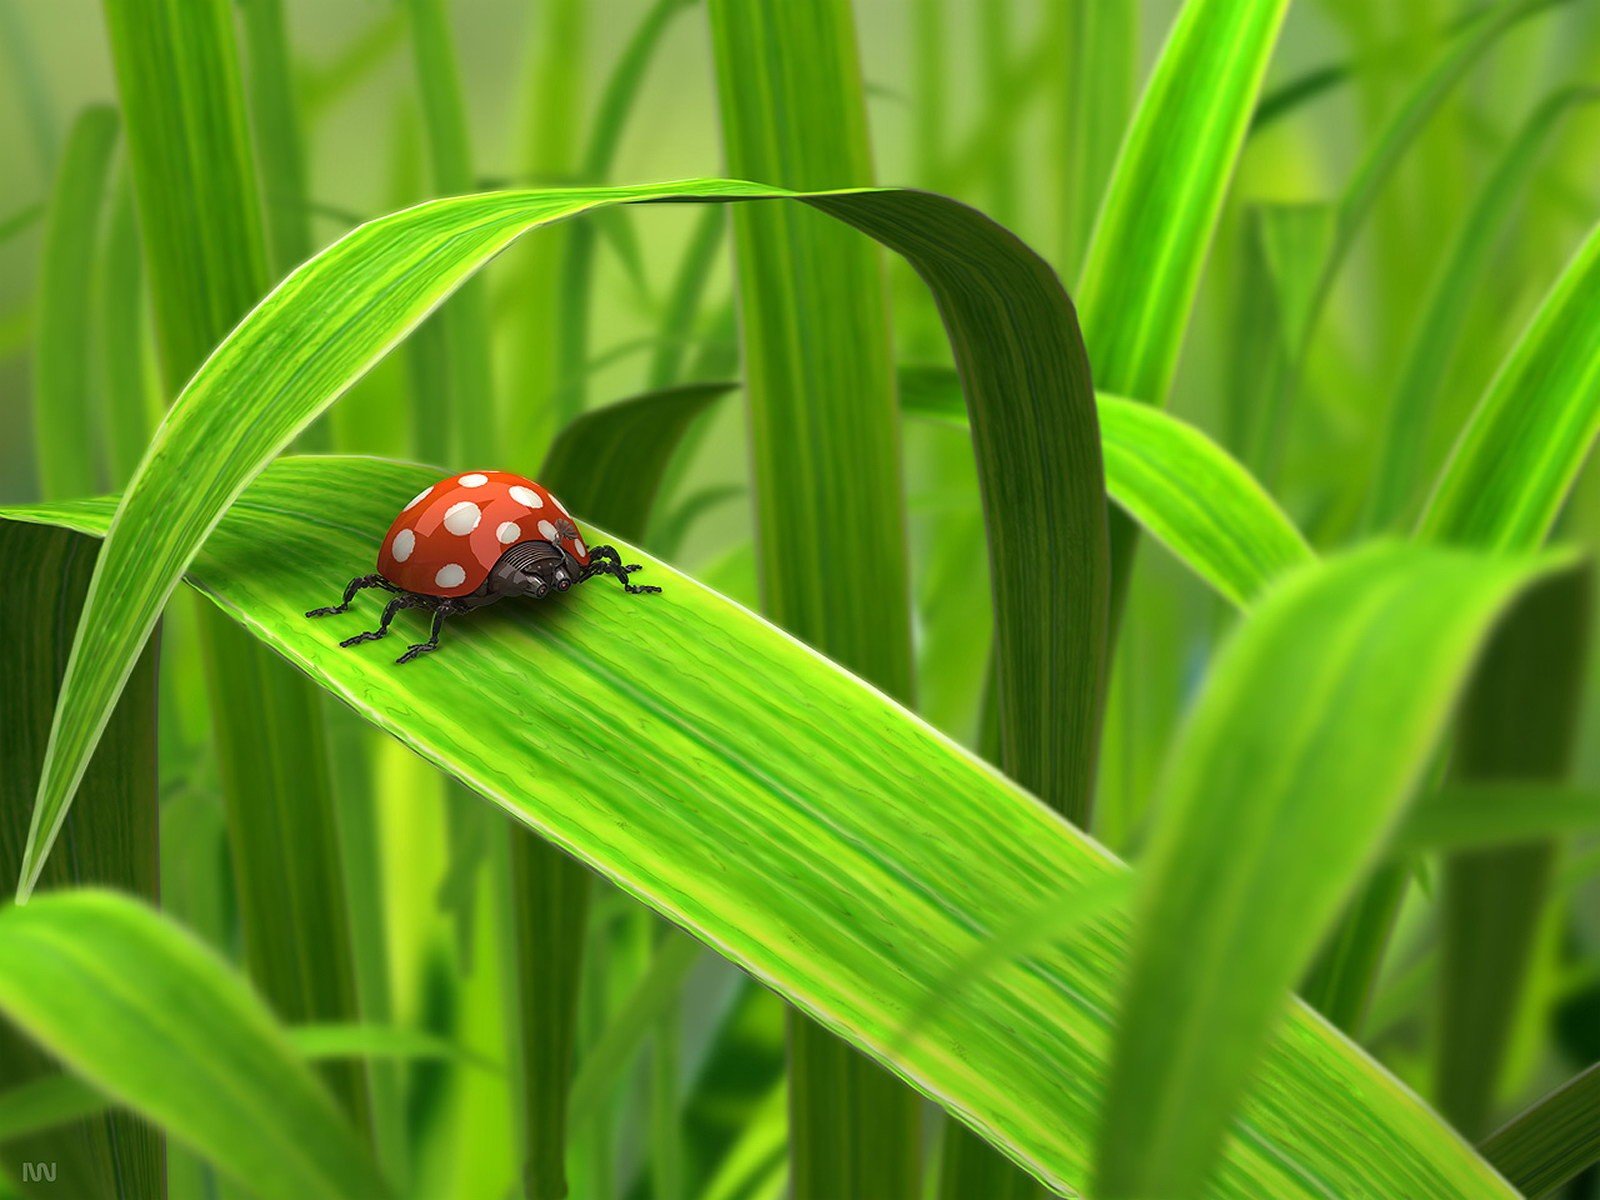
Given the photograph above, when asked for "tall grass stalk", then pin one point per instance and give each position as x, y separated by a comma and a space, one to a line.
1096, 46
200, 219
824, 439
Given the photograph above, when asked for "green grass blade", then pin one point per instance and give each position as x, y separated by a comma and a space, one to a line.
1520, 720
1097, 45
1521, 452
1552, 1140
825, 453
1433, 346
684, 299
158, 1022
1166, 191
1172, 479
132, 392
277, 129
890, 820
110, 839
192, 165
63, 369
1297, 758
1478, 816
609, 463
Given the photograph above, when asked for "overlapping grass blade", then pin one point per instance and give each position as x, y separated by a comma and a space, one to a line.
1199, 502
1476, 816
1518, 457
64, 376
110, 839
1432, 347
889, 853
1296, 760
825, 454
192, 166
154, 1019
1552, 1140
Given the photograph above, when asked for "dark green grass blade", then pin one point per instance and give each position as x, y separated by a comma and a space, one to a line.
199, 216
825, 453
1482, 815
109, 840
889, 854
1520, 721
1199, 502
157, 1021
64, 382
1553, 1140
1296, 760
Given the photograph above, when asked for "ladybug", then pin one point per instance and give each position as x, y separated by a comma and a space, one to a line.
471, 539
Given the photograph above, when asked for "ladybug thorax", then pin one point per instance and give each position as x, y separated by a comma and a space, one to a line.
449, 539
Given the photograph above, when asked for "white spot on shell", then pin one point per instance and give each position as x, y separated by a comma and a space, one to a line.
417, 499
508, 532
461, 519
547, 531
476, 479
450, 575
404, 543
526, 496
579, 547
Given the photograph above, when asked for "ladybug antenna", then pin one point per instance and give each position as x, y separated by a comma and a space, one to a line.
604, 560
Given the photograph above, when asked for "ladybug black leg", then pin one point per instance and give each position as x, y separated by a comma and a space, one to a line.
604, 560
356, 584
389, 611
440, 612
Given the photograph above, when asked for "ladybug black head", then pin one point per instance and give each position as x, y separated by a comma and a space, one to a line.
533, 569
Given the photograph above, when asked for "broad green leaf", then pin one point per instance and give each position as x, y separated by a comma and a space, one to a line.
1518, 457
872, 854
1477, 816
1166, 192
832, 551
1551, 1141
330, 320
63, 410
155, 1020
1173, 480
1296, 760
1458, 282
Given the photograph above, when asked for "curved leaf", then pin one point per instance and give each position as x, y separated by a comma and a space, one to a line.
1012, 332
808, 828
1276, 798
155, 1020
1198, 501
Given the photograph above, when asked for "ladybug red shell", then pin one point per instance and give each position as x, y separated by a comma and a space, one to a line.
475, 539
448, 539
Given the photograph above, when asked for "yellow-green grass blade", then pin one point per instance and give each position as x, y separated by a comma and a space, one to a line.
53, 1100
326, 324
192, 165
1297, 759
1477, 816
63, 366
110, 839
1197, 500
829, 508
155, 1020
1392, 496
1165, 194
1552, 1140
1520, 454
802, 824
